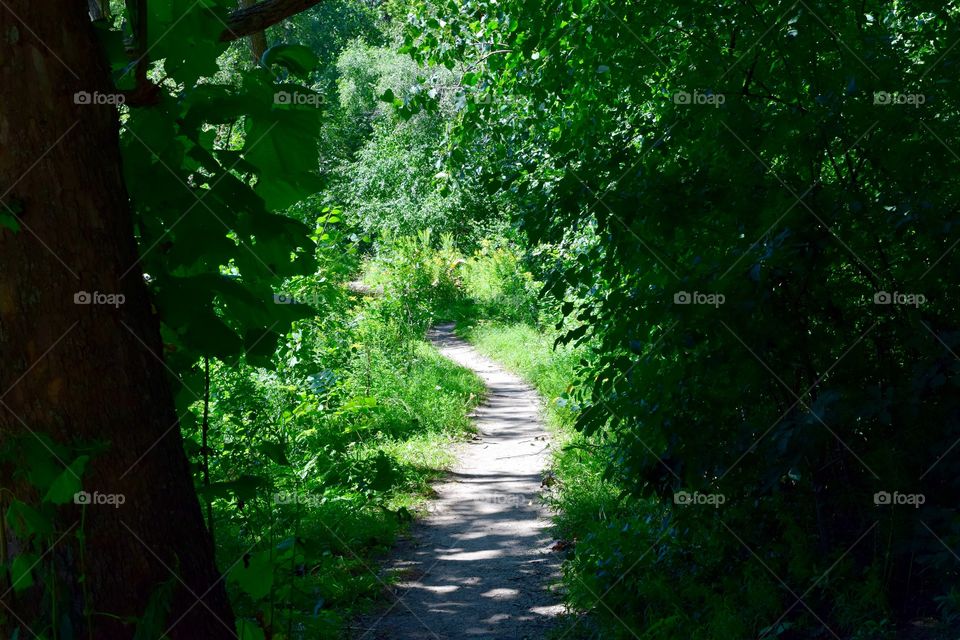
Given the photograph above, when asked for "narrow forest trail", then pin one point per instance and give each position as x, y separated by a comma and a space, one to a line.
478, 566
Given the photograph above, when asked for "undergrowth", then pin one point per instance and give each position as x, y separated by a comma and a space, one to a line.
323, 461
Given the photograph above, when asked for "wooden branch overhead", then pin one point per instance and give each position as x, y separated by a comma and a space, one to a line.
244, 22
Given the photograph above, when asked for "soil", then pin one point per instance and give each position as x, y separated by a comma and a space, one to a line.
479, 564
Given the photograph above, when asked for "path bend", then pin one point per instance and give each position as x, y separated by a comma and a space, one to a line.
479, 564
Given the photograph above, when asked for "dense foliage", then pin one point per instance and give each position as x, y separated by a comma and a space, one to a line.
754, 209
718, 237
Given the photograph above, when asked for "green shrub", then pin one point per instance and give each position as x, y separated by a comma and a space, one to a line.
494, 278
316, 465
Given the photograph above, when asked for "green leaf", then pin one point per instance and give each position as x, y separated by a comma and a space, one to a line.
247, 630
222, 104
296, 58
359, 403
385, 475
254, 574
186, 36
246, 487
276, 451
67, 484
153, 622
260, 345
27, 521
112, 45
283, 147
208, 334
21, 571
40, 457
9, 211
276, 237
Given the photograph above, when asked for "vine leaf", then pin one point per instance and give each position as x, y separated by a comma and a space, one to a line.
67, 484
295, 58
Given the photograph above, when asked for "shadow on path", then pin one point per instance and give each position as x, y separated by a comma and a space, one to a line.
479, 564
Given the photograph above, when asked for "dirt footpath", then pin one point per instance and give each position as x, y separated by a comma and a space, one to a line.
478, 566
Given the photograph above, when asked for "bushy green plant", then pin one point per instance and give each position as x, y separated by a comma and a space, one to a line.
311, 468
768, 282
495, 279
386, 153
414, 278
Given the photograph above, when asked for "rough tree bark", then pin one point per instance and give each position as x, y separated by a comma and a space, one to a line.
84, 373
258, 17
98, 9
258, 39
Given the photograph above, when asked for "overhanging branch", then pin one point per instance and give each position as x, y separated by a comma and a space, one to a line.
244, 22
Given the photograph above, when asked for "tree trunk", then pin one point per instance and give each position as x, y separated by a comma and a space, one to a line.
261, 15
258, 39
81, 373
98, 9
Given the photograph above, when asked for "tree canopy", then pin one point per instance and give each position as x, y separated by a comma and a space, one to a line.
729, 227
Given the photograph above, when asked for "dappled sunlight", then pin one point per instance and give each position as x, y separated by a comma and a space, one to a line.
481, 560
468, 556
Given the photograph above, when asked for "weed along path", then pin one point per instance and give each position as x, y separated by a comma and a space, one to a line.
478, 566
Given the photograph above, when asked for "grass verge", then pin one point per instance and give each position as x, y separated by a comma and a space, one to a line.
321, 542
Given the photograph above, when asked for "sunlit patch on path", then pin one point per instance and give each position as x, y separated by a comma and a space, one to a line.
479, 565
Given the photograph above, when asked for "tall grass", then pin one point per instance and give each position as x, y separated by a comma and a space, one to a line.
321, 463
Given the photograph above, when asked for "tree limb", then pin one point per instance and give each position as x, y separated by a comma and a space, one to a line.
145, 92
244, 22
258, 40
